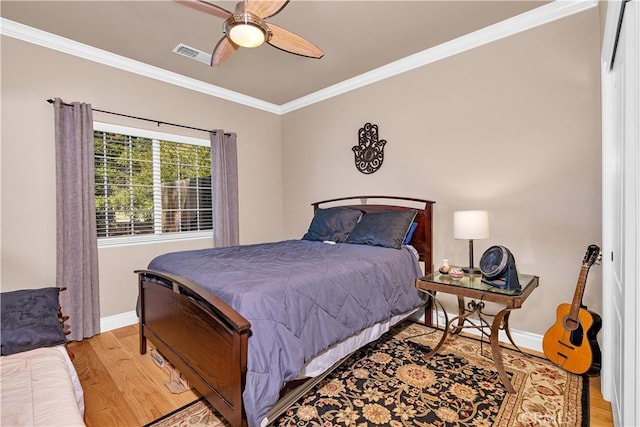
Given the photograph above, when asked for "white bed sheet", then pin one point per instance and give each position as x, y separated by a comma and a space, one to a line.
40, 388
323, 361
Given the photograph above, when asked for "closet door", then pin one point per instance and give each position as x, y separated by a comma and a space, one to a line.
621, 229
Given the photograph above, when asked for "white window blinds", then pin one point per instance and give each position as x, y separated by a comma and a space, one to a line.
150, 183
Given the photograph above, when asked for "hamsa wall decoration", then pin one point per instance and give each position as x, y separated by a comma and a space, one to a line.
369, 152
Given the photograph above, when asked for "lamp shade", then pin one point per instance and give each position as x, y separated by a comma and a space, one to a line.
471, 225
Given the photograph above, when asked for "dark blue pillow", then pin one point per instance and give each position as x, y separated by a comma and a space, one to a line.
332, 224
386, 229
409, 236
30, 320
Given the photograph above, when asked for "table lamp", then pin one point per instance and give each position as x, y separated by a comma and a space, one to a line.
471, 225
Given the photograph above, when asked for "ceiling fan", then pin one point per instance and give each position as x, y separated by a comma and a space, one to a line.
246, 27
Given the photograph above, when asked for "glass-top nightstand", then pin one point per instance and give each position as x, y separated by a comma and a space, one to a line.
479, 292
475, 282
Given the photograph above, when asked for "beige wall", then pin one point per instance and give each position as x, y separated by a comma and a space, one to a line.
512, 127
32, 74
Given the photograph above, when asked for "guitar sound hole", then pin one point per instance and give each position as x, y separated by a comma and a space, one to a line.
577, 333
570, 324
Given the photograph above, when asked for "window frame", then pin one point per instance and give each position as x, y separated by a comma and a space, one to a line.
152, 237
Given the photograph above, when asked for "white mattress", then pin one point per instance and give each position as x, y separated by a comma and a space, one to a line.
40, 388
323, 361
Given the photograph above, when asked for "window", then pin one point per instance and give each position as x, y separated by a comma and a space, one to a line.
150, 185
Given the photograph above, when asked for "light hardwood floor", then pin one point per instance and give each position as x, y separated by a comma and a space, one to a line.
121, 386
124, 388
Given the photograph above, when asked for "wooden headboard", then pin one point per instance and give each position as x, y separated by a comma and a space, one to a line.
422, 237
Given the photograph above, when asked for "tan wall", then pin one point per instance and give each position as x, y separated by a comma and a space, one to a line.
32, 74
512, 127
602, 12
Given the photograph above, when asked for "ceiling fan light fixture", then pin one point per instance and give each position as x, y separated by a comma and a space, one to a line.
246, 35
246, 30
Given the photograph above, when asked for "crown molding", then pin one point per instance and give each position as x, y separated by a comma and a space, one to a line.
539, 16
51, 41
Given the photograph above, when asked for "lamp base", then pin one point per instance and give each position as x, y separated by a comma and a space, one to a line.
471, 270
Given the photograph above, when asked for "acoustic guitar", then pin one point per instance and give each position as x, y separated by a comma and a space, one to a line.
571, 342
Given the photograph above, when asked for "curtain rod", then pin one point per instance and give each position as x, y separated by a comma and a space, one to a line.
158, 122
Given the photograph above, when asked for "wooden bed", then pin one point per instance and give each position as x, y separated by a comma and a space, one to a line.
176, 315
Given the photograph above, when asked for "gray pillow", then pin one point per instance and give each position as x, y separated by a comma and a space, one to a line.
332, 224
30, 320
386, 229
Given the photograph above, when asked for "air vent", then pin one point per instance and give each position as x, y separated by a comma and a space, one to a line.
189, 52
186, 51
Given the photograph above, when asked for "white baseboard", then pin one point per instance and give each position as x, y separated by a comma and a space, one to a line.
524, 339
118, 321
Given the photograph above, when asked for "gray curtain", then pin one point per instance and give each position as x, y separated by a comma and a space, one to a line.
76, 239
224, 188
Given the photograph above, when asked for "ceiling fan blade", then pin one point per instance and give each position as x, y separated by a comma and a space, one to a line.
290, 42
224, 49
265, 9
206, 7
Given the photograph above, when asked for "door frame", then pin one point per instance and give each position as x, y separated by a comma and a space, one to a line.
624, 350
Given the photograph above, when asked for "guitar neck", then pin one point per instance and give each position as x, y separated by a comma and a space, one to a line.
577, 296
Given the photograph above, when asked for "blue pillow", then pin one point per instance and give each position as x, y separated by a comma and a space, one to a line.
412, 229
332, 224
387, 229
30, 320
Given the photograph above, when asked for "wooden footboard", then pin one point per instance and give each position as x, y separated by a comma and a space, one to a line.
200, 335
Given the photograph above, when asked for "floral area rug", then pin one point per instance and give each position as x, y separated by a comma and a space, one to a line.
389, 382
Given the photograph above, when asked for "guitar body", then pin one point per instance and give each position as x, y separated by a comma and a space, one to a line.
575, 350
571, 341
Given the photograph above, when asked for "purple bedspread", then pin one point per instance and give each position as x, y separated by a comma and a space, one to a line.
301, 297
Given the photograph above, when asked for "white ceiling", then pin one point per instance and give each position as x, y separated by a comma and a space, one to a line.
357, 36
